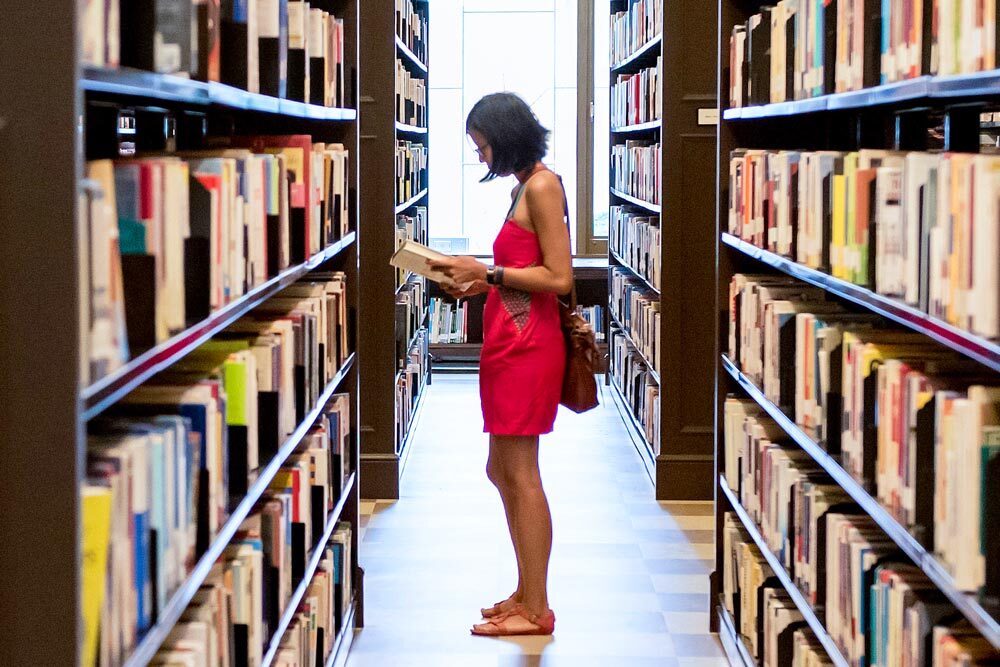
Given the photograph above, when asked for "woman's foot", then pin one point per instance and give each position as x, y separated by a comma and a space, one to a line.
501, 607
518, 621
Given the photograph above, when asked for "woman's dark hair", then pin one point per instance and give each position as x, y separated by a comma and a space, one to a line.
512, 130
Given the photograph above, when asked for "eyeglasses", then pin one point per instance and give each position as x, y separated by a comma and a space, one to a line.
480, 150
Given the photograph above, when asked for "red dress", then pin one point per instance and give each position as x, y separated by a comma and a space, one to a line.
524, 354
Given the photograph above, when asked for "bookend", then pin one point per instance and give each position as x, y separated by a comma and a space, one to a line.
198, 255
233, 37
299, 554
139, 287
241, 644
239, 470
268, 435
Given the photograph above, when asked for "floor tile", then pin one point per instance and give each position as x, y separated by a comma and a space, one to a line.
697, 646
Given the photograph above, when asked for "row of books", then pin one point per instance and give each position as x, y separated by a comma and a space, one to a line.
322, 615
634, 235
411, 169
594, 315
283, 48
764, 616
411, 97
170, 239
410, 228
176, 455
410, 384
633, 28
411, 26
637, 98
449, 321
918, 227
219, 629
912, 422
799, 49
410, 311
878, 608
636, 171
639, 388
637, 309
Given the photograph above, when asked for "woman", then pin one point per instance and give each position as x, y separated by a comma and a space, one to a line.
523, 355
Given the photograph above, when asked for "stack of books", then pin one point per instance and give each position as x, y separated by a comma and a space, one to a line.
411, 169
918, 227
799, 49
283, 48
634, 28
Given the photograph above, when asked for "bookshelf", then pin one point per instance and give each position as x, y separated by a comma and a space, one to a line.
384, 51
925, 113
48, 109
679, 460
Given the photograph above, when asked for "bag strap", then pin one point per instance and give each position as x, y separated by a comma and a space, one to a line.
517, 199
572, 292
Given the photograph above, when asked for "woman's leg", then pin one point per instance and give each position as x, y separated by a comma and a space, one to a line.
529, 508
497, 475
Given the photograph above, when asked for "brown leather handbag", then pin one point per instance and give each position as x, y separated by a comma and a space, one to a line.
579, 388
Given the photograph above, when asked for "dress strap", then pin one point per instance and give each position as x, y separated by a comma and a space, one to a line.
521, 189
517, 199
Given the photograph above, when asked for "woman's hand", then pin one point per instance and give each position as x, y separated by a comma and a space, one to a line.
461, 270
476, 288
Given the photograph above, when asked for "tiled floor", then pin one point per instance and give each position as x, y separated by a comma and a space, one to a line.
628, 579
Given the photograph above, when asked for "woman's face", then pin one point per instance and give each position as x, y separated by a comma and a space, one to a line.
482, 147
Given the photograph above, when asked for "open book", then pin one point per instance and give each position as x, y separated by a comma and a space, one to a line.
413, 256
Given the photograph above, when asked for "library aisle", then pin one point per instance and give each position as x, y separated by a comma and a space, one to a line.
629, 578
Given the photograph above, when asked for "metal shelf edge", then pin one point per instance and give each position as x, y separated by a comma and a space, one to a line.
786, 581
655, 208
412, 201
410, 55
342, 640
171, 88
738, 653
638, 53
640, 127
625, 265
963, 342
107, 391
310, 572
155, 636
628, 337
964, 603
976, 84
410, 129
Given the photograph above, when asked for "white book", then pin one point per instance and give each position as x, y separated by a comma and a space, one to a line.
413, 256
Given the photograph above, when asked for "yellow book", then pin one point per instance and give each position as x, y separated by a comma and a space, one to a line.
852, 252
838, 229
96, 514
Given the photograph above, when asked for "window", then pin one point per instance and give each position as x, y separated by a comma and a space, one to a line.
478, 47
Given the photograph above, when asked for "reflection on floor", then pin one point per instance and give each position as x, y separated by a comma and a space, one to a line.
629, 576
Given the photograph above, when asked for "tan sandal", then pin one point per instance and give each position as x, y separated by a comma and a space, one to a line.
498, 626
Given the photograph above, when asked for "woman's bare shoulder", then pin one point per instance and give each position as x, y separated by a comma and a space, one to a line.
543, 185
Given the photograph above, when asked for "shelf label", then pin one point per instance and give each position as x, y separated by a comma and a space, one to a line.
708, 116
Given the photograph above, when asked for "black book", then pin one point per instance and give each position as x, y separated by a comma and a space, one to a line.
872, 63
830, 47
272, 43
156, 35
297, 87
235, 45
